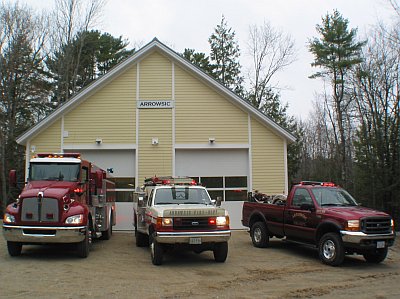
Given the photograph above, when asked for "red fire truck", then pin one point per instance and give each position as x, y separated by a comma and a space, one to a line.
66, 200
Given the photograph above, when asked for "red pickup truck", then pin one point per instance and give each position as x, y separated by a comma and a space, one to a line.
325, 216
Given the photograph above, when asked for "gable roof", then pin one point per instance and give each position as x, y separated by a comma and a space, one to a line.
154, 45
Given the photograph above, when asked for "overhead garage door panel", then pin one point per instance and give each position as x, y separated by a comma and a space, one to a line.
121, 161
212, 162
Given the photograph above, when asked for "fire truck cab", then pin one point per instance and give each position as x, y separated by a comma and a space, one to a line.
172, 212
65, 200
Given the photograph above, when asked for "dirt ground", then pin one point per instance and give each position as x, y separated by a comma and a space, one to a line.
118, 269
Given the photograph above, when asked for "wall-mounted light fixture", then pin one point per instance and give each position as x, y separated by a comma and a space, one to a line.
154, 141
99, 141
211, 139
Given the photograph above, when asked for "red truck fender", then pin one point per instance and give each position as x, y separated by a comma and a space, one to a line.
256, 216
326, 227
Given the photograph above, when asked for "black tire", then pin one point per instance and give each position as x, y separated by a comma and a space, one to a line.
14, 248
220, 252
259, 235
376, 256
83, 247
156, 251
142, 240
331, 249
106, 235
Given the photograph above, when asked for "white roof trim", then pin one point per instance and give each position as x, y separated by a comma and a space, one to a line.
139, 55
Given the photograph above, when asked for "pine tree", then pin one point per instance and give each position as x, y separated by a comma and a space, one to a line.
225, 55
89, 55
337, 52
199, 59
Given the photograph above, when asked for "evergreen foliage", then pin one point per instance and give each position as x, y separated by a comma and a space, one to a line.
199, 59
225, 55
88, 56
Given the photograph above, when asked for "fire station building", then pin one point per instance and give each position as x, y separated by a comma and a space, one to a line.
158, 114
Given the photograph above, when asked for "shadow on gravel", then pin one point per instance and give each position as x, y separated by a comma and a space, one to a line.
304, 252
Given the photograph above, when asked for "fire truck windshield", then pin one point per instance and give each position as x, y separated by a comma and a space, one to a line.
47, 171
182, 195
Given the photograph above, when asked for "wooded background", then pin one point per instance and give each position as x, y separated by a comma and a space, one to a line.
351, 136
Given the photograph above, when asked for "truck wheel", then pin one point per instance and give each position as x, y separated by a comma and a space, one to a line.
331, 249
259, 234
14, 248
106, 235
376, 256
142, 240
156, 251
220, 252
84, 246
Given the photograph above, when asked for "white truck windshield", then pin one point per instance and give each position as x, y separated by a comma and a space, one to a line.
181, 195
47, 171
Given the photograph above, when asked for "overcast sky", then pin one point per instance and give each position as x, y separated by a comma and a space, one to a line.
184, 24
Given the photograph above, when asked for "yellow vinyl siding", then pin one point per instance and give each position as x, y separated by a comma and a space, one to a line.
155, 159
109, 114
49, 140
202, 113
267, 160
155, 78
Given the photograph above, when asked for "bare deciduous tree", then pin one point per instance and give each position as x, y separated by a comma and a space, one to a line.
71, 18
271, 51
23, 89
377, 95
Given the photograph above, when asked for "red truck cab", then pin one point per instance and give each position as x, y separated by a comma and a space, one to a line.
323, 215
65, 200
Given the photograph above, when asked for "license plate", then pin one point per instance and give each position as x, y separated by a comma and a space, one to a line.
380, 244
194, 240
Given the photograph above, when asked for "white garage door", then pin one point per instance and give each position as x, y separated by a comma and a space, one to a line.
218, 162
225, 173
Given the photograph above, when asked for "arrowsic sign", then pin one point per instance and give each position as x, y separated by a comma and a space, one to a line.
148, 104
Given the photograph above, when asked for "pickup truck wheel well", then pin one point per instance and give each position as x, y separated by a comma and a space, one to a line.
325, 228
256, 218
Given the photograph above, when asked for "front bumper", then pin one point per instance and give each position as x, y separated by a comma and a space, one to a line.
44, 234
187, 237
363, 240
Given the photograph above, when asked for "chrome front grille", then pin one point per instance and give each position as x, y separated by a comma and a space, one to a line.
376, 225
190, 223
40, 209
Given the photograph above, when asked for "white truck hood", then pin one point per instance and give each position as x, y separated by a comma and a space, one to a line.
189, 210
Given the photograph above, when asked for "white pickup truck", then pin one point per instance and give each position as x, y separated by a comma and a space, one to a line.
175, 212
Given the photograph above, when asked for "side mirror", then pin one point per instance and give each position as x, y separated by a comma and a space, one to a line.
99, 179
140, 201
12, 178
219, 200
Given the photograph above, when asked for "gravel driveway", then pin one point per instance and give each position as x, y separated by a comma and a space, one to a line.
118, 269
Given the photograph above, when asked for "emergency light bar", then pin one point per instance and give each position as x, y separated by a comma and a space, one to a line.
325, 184
61, 155
169, 180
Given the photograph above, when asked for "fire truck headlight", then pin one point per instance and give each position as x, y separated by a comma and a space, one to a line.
76, 219
222, 221
8, 218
